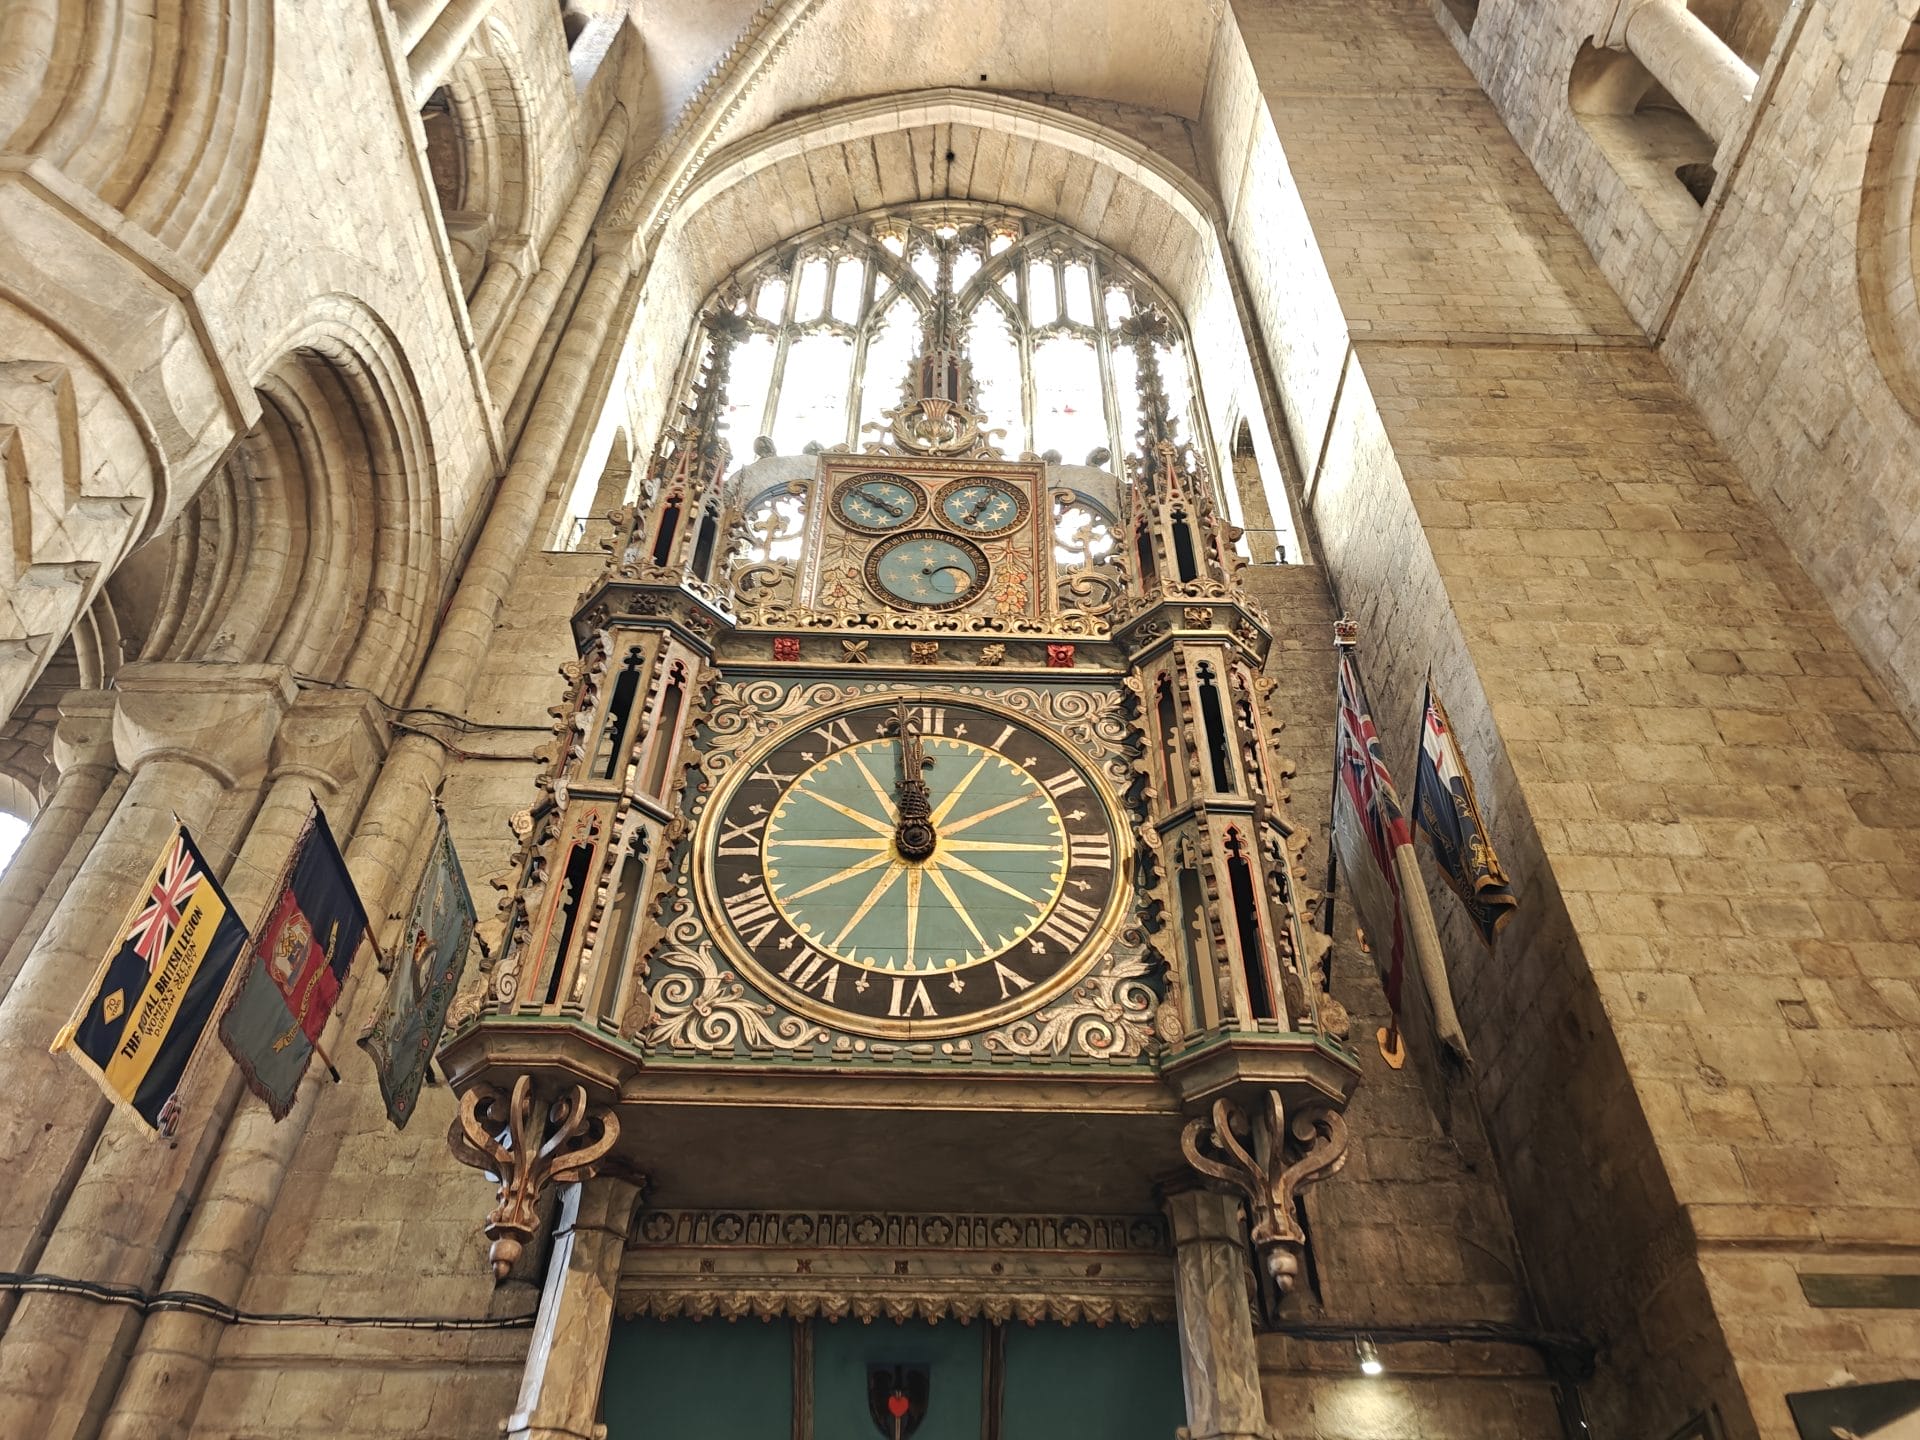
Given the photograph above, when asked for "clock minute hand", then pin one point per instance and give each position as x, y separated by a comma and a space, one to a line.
913, 832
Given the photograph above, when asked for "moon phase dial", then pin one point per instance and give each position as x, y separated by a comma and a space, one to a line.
981, 506
928, 570
878, 502
806, 881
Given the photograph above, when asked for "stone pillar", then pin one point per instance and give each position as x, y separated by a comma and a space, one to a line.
1218, 1362
1711, 83
83, 754
414, 18
439, 49
129, 1207
186, 733
509, 261
560, 1388
522, 333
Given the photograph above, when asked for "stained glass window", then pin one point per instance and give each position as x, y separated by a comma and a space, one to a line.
834, 318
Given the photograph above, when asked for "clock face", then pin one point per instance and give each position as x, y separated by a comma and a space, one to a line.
877, 502
927, 570
982, 506
805, 879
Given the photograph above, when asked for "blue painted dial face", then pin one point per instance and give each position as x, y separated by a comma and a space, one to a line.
982, 507
808, 887
877, 502
928, 570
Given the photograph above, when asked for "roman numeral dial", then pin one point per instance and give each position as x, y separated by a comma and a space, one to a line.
833, 906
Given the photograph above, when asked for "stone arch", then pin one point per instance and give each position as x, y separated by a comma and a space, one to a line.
482, 153
1888, 241
314, 545
1111, 188
166, 128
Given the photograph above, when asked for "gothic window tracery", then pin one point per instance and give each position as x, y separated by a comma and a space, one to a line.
833, 320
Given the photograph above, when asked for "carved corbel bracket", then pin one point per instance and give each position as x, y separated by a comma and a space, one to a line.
1269, 1162
525, 1145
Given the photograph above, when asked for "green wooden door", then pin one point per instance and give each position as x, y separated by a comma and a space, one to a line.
720, 1380
713, 1379
1085, 1382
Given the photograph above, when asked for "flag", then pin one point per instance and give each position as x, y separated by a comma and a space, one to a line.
293, 971
1374, 844
426, 971
153, 995
1445, 811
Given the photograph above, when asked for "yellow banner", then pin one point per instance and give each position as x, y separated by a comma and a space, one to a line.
152, 1015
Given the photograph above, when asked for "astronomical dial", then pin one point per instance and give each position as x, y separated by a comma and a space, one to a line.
914, 869
877, 502
928, 570
981, 506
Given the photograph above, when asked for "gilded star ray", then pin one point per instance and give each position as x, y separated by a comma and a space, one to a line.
859, 868
884, 884
945, 887
945, 807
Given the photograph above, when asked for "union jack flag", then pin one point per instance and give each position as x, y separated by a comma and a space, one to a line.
1368, 827
172, 888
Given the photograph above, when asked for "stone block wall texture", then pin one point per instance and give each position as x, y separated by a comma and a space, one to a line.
1696, 1045
1414, 1228
374, 1221
1765, 302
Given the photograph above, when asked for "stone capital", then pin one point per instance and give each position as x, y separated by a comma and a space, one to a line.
1205, 1217
332, 737
83, 735
516, 252
220, 718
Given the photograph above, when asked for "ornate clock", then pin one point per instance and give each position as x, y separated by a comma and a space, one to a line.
913, 870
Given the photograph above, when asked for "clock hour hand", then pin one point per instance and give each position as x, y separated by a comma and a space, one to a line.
913, 833
881, 502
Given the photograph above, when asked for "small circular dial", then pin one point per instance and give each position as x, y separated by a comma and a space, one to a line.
928, 570
810, 884
982, 506
877, 502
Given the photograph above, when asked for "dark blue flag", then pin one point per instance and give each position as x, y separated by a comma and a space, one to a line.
151, 999
294, 970
1446, 812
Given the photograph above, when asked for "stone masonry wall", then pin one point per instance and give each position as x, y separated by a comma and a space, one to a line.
1764, 303
374, 1221
1696, 1043
1415, 1228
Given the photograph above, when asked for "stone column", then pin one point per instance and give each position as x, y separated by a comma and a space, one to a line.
414, 18
439, 49
83, 754
1218, 1362
1711, 83
560, 1388
522, 333
129, 1207
509, 262
186, 733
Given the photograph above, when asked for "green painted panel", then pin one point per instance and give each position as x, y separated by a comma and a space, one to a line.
950, 1351
717, 1379
1111, 1382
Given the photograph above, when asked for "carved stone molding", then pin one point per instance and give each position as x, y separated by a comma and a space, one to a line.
524, 1145
217, 716
836, 1265
1269, 1162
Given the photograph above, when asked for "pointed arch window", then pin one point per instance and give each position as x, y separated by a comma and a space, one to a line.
834, 319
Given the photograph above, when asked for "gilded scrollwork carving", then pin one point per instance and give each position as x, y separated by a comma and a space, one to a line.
525, 1143
1269, 1162
1110, 1013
